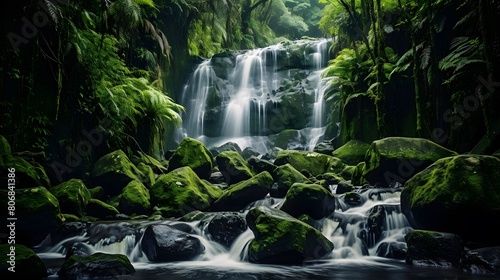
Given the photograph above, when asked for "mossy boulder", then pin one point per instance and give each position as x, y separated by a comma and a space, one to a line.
283, 138
101, 210
357, 175
28, 175
284, 177
148, 178
352, 152
431, 248
397, 159
310, 199
113, 172
240, 195
453, 192
20, 262
233, 166
37, 212
182, 191
135, 199
312, 162
259, 165
73, 196
97, 265
194, 154
283, 239
152, 162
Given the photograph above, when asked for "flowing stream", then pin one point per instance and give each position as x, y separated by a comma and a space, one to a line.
357, 253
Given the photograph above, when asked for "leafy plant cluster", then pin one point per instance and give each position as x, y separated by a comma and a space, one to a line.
433, 50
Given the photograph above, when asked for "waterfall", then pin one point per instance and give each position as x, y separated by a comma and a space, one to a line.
245, 96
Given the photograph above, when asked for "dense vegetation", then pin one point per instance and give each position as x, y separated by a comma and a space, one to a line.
72, 71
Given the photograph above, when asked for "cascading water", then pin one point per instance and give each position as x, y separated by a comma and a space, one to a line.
245, 96
348, 228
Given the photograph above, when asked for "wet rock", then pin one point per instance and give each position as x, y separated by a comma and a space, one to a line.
482, 261
234, 168
25, 263
37, 212
239, 195
397, 159
135, 199
96, 265
259, 165
73, 196
310, 199
392, 250
194, 154
225, 228
284, 177
163, 243
431, 248
352, 152
182, 191
454, 190
282, 239
314, 163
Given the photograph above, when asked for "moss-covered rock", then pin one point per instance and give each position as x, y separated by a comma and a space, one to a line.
37, 212
243, 193
285, 176
431, 248
348, 171
182, 191
73, 196
352, 152
194, 154
28, 175
135, 199
96, 265
233, 166
310, 199
397, 159
357, 175
282, 139
101, 210
19, 261
113, 172
149, 177
455, 190
97, 193
314, 163
156, 165
283, 239
259, 165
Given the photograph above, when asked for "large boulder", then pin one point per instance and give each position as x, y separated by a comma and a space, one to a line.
397, 159
456, 194
225, 227
194, 154
182, 191
240, 195
73, 196
96, 265
163, 243
113, 172
282, 239
310, 199
431, 248
20, 262
233, 166
28, 174
101, 210
312, 162
284, 177
37, 212
135, 199
352, 152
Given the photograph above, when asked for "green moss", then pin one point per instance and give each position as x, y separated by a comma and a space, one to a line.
313, 162
183, 191
464, 179
100, 209
28, 175
352, 153
194, 154
282, 139
234, 167
27, 263
116, 162
134, 199
73, 196
149, 176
